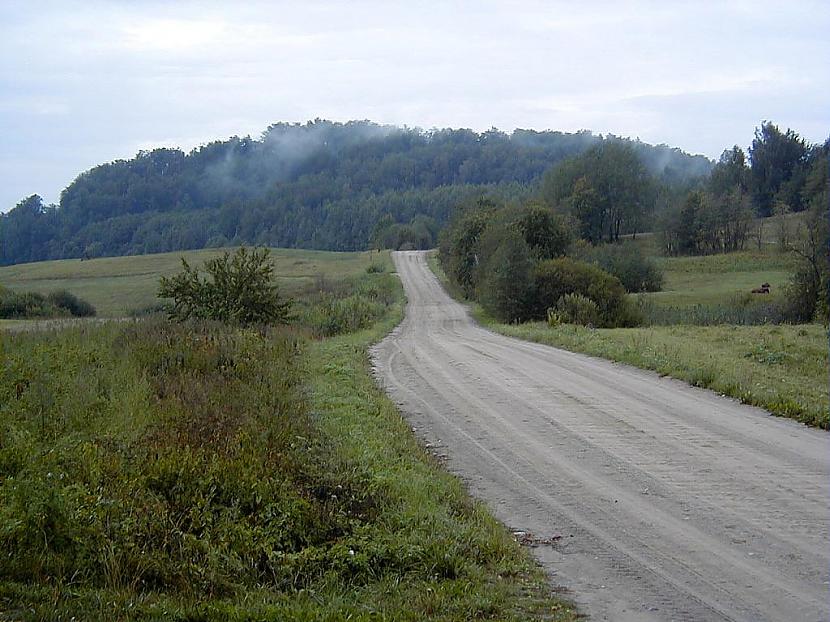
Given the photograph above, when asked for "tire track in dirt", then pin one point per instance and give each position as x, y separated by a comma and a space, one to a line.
672, 503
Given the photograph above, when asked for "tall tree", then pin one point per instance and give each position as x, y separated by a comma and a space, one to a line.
777, 168
608, 190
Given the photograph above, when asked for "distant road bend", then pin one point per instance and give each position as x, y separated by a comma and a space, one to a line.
672, 503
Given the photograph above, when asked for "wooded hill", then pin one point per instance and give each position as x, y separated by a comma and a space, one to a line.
320, 185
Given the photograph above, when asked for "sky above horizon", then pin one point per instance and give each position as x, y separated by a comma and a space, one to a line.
83, 83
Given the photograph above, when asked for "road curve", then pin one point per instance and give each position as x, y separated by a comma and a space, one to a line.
672, 503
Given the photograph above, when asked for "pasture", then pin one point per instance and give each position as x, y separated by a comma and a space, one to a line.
719, 279
117, 286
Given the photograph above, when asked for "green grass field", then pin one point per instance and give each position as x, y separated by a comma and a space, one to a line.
119, 285
718, 279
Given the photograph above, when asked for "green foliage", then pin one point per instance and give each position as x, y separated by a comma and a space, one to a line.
608, 190
168, 457
328, 310
459, 245
504, 286
319, 185
77, 307
577, 309
238, 289
21, 305
778, 168
636, 271
469, 242
175, 471
554, 318
708, 223
555, 278
546, 233
419, 234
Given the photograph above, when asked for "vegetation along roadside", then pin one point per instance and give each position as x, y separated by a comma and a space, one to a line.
782, 368
204, 470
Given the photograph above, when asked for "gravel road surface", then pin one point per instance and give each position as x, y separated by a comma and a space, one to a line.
651, 500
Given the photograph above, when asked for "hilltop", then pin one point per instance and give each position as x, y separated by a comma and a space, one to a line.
318, 185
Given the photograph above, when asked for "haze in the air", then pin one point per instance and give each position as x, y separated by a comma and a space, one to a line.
83, 83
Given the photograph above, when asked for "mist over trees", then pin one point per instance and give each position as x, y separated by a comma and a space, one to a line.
323, 185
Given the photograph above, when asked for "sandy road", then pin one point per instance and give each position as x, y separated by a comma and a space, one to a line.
672, 503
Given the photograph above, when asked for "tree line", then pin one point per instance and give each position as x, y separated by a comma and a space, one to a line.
323, 185
554, 254
782, 174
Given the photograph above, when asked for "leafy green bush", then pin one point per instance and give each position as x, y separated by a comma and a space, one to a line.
77, 307
20, 305
505, 281
636, 271
578, 309
554, 318
547, 234
555, 278
349, 306
239, 289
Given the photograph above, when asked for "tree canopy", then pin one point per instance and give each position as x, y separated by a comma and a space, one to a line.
318, 185
608, 190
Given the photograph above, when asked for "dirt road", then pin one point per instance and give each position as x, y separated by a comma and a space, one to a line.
669, 502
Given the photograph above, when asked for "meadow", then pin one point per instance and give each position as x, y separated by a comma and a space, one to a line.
118, 286
151, 470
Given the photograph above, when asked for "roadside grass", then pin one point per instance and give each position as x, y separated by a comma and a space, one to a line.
117, 286
782, 368
155, 471
473, 568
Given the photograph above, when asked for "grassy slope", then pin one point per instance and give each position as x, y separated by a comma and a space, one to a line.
781, 368
117, 285
716, 279
455, 561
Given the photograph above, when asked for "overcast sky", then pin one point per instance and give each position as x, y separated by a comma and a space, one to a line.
88, 82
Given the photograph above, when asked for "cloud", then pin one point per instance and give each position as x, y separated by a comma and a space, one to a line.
93, 81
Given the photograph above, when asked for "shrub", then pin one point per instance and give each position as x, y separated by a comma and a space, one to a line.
19, 305
547, 234
240, 290
578, 309
555, 278
351, 305
505, 282
77, 307
554, 318
636, 271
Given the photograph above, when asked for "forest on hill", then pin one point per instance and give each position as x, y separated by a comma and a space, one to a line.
319, 185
